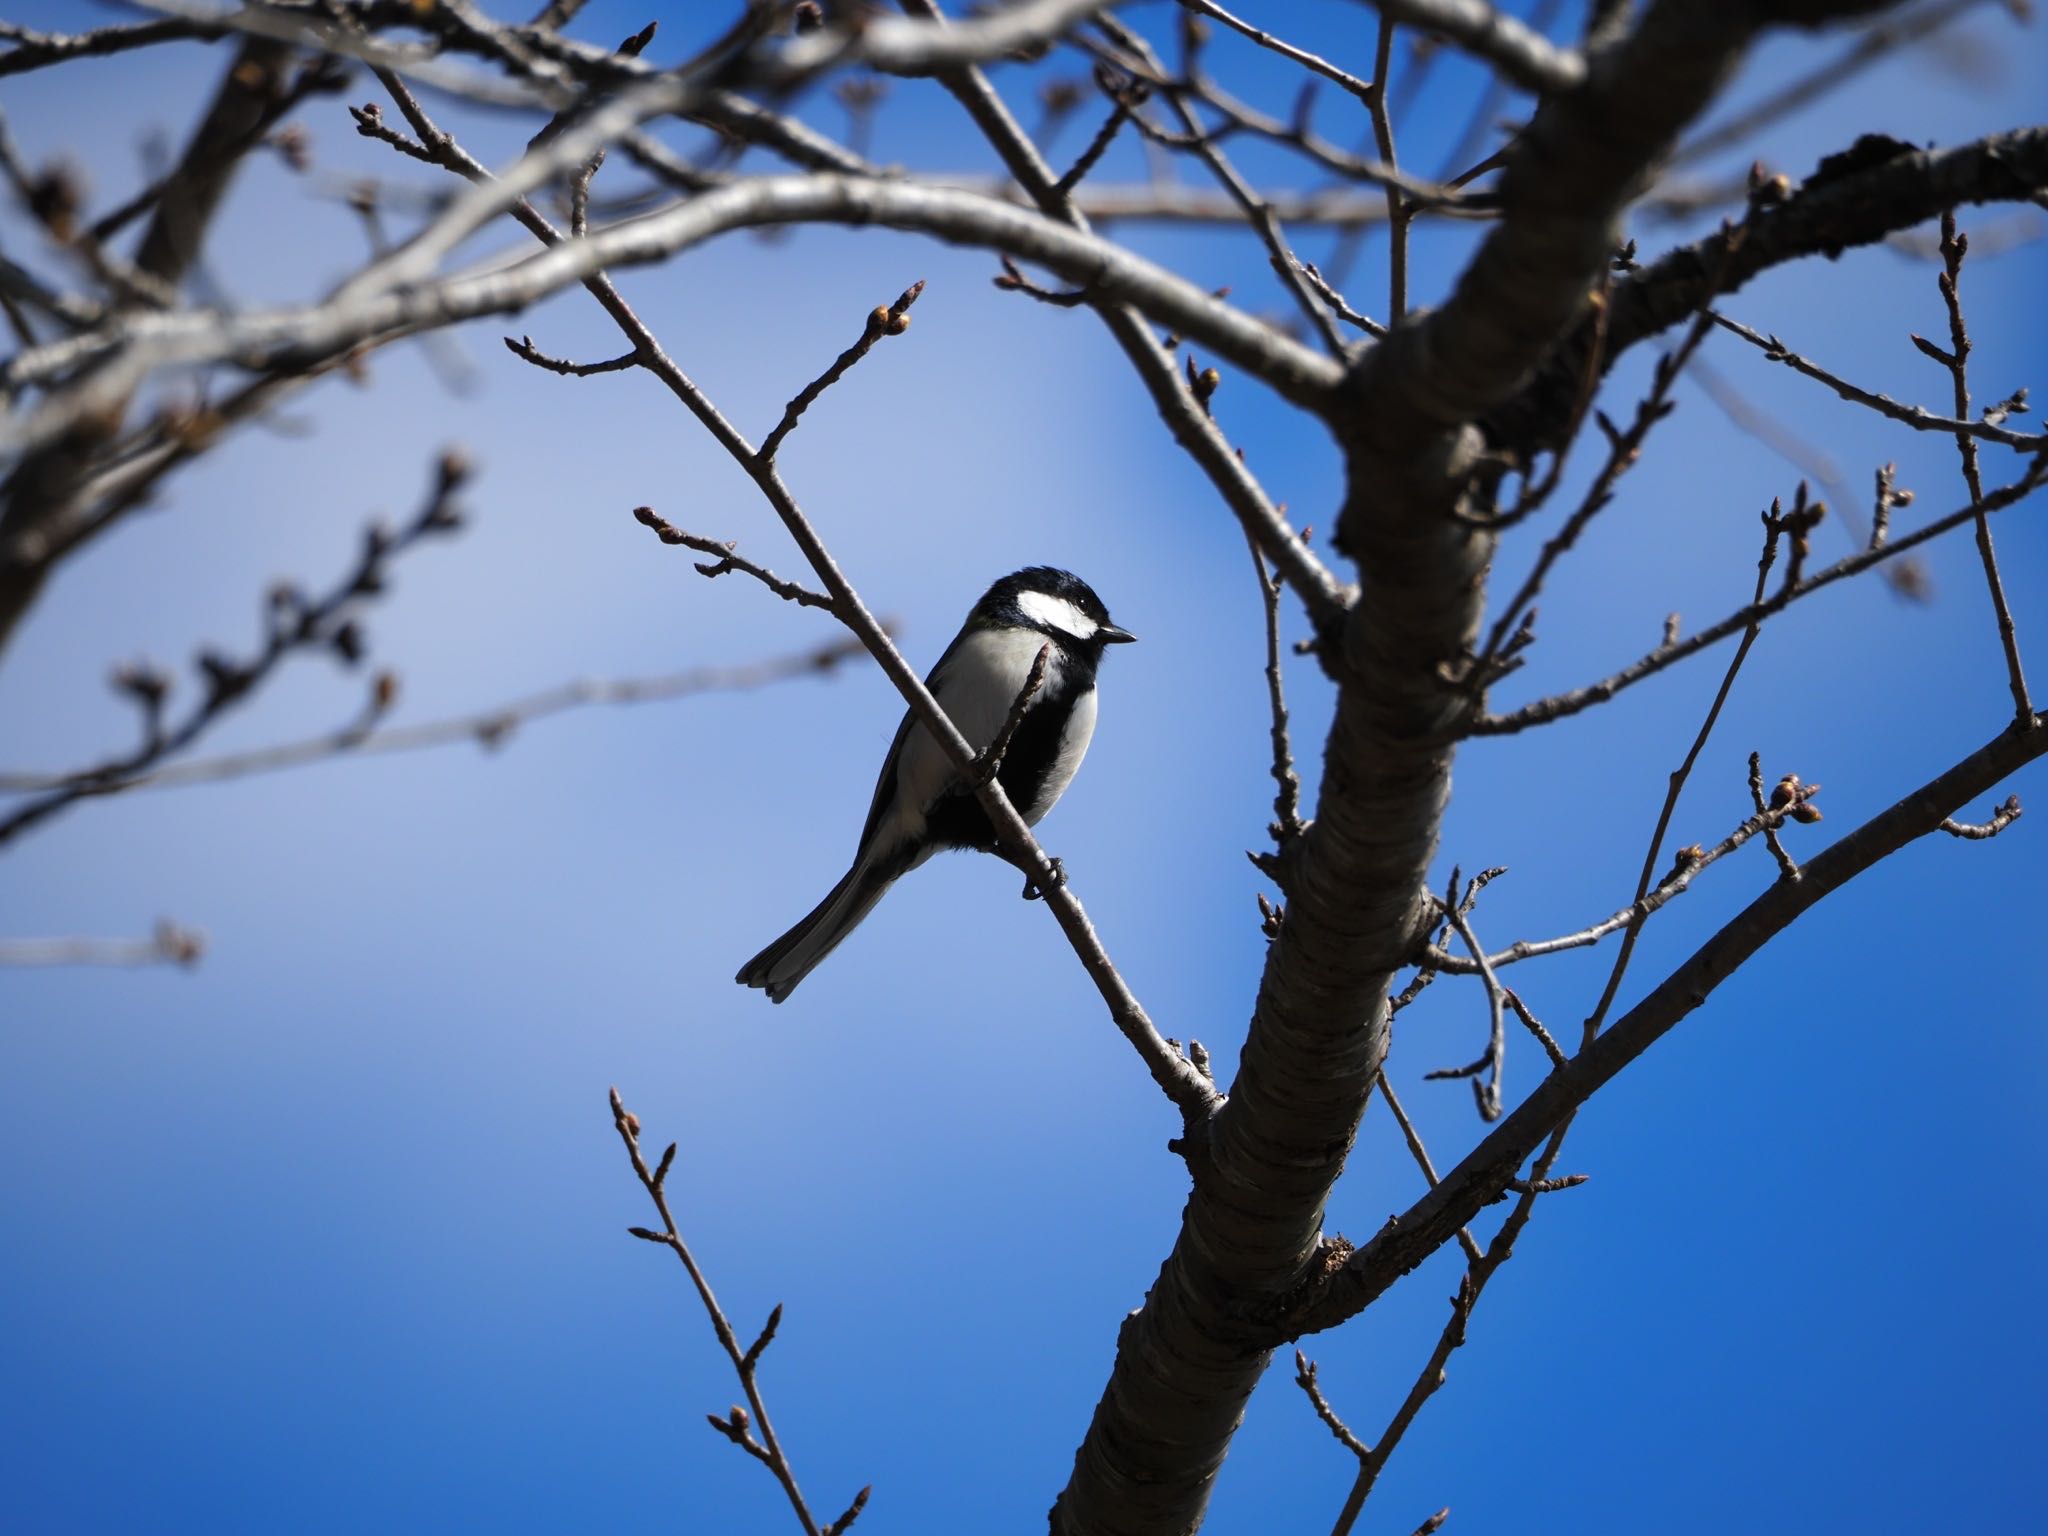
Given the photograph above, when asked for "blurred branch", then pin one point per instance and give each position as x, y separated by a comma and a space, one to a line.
293, 623
169, 944
37, 50
1528, 58
380, 305
1861, 197
1877, 42
488, 728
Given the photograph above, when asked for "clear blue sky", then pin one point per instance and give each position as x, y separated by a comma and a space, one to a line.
329, 1233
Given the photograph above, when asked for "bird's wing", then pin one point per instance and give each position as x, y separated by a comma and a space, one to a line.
975, 682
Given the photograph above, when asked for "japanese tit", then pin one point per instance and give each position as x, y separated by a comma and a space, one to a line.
921, 804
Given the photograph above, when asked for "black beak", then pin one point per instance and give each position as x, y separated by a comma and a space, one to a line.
1109, 634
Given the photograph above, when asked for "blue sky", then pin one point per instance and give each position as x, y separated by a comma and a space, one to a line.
328, 1233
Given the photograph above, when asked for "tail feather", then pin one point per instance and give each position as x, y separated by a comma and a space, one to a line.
791, 958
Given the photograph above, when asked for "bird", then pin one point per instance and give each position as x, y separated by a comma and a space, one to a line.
922, 804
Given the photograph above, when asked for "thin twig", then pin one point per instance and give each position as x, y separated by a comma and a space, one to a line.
1624, 448
169, 944
2003, 817
1287, 822
1383, 139
739, 1426
883, 320
524, 348
1494, 1062
486, 728
1305, 1378
1362, 89
1957, 360
1419, 1152
729, 560
990, 763
1337, 302
294, 623
1919, 418
1563, 705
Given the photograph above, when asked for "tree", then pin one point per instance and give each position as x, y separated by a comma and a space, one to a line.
1498, 425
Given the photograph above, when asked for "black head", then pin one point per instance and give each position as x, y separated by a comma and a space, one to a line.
1054, 602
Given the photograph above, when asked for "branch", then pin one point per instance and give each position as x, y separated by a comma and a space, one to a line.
1287, 822
1527, 58
1561, 705
1193, 428
1919, 418
1189, 1358
1494, 1061
1957, 361
1483, 1174
126, 350
294, 623
487, 728
738, 1427
39, 50
169, 944
2003, 817
890, 320
1860, 197
1314, 63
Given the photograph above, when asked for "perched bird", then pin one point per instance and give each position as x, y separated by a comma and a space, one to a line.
921, 803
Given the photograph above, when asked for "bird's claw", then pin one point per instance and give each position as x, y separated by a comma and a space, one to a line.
1059, 878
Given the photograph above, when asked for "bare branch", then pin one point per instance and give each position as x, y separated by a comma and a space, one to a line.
1494, 1062
294, 623
729, 560
1560, 706
169, 944
1287, 822
1477, 1180
1325, 596
1528, 58
1305, 1378
1314, 63
1850, 201
127, 349
487, 728
2003, 817
38, 50
892, 320
524, 348
1957, 361
1917, 417
738, 1426
1383, 139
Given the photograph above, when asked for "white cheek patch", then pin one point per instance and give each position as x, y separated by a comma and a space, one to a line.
1057, 613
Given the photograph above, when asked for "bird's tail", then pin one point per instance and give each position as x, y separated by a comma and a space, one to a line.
787, 961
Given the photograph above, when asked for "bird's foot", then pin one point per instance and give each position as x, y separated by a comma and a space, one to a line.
1059, 878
